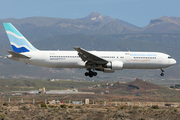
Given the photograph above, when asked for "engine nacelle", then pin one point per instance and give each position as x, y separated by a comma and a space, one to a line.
108, 70
115, 65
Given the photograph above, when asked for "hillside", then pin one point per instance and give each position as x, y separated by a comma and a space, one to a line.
94, 23
143, 85
37, 26
135, 86
163, 25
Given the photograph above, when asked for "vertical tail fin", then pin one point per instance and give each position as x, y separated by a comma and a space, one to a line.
18, 42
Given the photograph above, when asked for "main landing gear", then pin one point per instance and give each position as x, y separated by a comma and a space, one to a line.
90, 73
162, 74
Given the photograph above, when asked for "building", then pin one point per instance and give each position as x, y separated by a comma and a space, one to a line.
73, 91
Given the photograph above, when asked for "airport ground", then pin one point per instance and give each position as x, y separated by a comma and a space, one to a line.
41, 111
129, 101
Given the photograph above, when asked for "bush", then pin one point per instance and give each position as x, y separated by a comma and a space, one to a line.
63, 106
70, 106
2, 115
43, 105
149, 109
177, 86
5, 104
155, 107
175, 110
123, 107
51, 106
136, 107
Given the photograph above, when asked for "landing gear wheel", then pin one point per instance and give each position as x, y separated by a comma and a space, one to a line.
86, 74
162, 74
90, 73
94, 73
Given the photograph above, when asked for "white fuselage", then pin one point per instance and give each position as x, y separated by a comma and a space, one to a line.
106, 61
70, 59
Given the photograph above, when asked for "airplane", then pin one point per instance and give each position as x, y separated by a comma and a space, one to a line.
105, 61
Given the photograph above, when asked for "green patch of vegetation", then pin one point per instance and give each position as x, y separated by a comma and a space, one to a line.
175, 110
43, 105
70, 106
136, 107
155, 107
52, 106
5, 104
2, 115
123, 107
63, 106
149, 109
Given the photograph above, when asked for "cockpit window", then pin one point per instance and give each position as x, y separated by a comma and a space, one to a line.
169, 57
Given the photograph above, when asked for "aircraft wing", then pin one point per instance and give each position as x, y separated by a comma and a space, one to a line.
14, 54
87, 56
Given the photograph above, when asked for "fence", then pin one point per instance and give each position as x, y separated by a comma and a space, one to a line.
90, 102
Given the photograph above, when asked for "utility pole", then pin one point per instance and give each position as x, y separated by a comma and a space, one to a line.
107, 88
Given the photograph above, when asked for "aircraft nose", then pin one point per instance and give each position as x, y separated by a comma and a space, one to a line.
173, 61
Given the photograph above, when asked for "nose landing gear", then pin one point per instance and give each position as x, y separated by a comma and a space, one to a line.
162, 74
90, 73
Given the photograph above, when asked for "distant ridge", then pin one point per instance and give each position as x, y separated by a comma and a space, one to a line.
94, 23
163, 25
95, 16
143, 85
138, 84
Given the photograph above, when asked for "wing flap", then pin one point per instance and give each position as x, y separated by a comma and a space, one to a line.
87, 56
14, 54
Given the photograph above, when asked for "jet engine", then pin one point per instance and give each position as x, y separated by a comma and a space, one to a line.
115, 65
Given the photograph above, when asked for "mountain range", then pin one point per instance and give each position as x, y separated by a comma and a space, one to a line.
94, 23
93, 32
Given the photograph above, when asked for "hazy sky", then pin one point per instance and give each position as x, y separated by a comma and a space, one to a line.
137, 12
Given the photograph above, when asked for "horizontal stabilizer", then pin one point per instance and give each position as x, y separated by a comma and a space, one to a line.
14, 54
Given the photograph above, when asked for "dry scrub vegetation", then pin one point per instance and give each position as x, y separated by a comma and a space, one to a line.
90, 112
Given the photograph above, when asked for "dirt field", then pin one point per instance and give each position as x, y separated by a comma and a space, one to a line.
137, 100
85, 112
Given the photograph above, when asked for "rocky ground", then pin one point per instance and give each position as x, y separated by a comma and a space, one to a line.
63, 112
